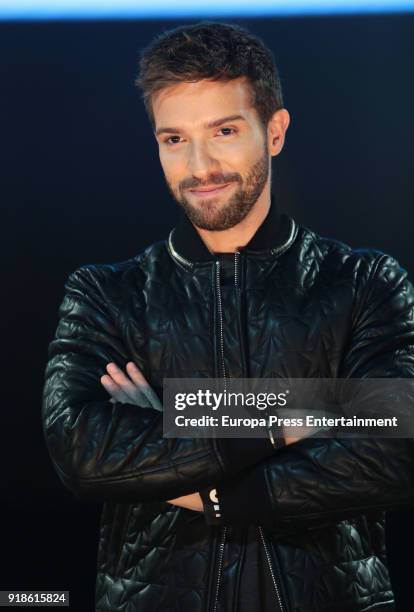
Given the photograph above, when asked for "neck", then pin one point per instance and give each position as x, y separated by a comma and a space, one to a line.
229, 240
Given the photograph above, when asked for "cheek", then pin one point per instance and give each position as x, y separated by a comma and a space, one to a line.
171, 167
243, 153
174, 174
240, 162
168, 167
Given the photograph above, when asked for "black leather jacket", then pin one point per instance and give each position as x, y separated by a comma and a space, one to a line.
310, 515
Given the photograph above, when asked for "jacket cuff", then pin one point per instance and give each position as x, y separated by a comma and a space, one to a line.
212, 512
237, 454
245, 499
241, 500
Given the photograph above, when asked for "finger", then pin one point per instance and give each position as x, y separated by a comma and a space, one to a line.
113, 389
136, 374
127, 390
124, 382
137, 391
142, 384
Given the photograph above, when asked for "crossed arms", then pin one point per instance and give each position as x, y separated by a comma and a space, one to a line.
105, 450
134, 388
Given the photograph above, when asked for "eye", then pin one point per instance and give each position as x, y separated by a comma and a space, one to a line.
228, 128
168, 141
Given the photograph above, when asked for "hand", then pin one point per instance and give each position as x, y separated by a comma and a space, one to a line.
291, 440
301, 432
192, 501
133, 390
136, 390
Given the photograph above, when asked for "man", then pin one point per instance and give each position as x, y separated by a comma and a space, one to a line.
238, 289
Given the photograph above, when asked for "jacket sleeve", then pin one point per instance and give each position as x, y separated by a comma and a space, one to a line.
116, 451
322, 480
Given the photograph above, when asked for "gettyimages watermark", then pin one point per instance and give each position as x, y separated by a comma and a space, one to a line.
299, 407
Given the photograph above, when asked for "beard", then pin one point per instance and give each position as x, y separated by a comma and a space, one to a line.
209, 215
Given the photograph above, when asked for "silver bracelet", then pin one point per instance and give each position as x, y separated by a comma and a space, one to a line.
271, 438
269, 431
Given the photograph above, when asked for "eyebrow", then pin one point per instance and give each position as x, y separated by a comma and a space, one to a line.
208, 125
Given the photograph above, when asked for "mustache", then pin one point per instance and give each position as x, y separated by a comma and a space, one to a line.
214, 180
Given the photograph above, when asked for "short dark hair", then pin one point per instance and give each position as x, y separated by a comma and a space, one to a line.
210, 50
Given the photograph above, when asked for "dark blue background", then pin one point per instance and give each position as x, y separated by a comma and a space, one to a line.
81, 183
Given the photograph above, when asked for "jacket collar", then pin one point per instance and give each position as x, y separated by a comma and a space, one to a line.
273, 236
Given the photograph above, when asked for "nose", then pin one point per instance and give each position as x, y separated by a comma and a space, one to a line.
201, 164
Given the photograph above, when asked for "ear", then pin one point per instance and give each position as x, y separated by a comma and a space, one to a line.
276, 130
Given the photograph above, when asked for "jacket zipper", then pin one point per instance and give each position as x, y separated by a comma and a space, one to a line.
223, 529
220, 563
272, 572
220, 311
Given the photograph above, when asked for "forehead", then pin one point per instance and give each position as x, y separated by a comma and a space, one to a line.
195, 103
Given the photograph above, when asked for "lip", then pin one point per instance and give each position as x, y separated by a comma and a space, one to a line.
207, 192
